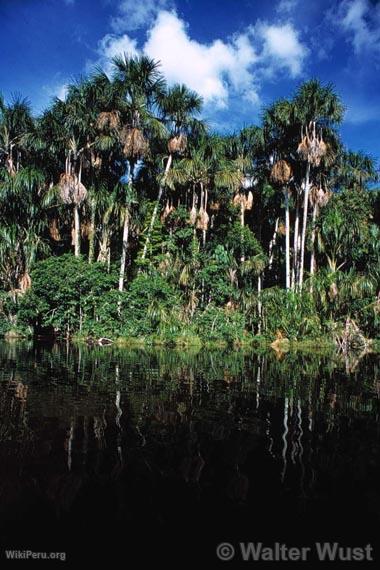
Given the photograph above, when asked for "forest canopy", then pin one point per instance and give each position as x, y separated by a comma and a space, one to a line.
123, 215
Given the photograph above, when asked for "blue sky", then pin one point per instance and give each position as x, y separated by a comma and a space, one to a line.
238, 54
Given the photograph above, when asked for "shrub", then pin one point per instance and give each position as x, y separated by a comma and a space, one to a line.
65, 295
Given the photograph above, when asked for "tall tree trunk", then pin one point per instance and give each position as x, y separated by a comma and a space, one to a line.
204, 232
312, 259
272, 244
124, 250
104, 245
295, 246
259, 304
287, 239
91, 237
304, 224
242, 259
157, 205
76, 231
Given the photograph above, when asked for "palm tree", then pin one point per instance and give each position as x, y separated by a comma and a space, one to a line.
141, 86
178, 105
23, 220
206, 168
317, 109
354, 170
16, 127
279, 129
65, 124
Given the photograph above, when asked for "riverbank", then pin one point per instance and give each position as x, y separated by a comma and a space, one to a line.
191, 342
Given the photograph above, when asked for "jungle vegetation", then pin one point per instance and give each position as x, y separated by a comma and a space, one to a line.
123, 215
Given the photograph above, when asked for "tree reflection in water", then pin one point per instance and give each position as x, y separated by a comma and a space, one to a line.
182, 447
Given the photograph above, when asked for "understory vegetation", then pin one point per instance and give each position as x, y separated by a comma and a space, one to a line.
123, 215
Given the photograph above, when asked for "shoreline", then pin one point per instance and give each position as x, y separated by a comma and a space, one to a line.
317, 345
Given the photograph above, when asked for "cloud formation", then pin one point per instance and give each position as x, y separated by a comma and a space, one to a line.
134, 15
282, 47
112, 45
57, 89
286, 6
208, 69
220, 68
360, 19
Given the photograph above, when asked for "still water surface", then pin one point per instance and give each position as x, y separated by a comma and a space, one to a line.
164, 454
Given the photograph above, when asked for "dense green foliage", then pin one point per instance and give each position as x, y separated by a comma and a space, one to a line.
179, 234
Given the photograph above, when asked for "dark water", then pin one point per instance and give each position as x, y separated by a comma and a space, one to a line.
159, 456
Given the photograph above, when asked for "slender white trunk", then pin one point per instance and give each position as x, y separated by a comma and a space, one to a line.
304, 224
259, 304
313, 233
295, 247
104, 247
76, 231
272, 244
157, 205
91, 237
124, 250
287, 239
242, 259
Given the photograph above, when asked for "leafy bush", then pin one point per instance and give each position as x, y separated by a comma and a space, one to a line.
216, 323
292, 314
66, 294
151, 306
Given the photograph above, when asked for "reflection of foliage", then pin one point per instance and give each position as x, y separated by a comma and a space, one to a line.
199, 417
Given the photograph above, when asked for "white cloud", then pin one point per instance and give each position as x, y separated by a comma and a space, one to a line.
282, 47
208, 69
56, 90
217, 70
112, 45
286, 6
361, 20
69, 2
133, 15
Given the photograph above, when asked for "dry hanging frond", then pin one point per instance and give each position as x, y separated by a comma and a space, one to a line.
25, 282
249, 201
322, 147
85, 229
319, 196
214, 206
281, 172
333, 291
312, 148
135, 144
54, 230
203, 220
71, 190
10, 166
238, 199
326, 197
281, 229
168, 210
193, 216
303, 148
177, 144
314, 194
96, 160
108, 120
